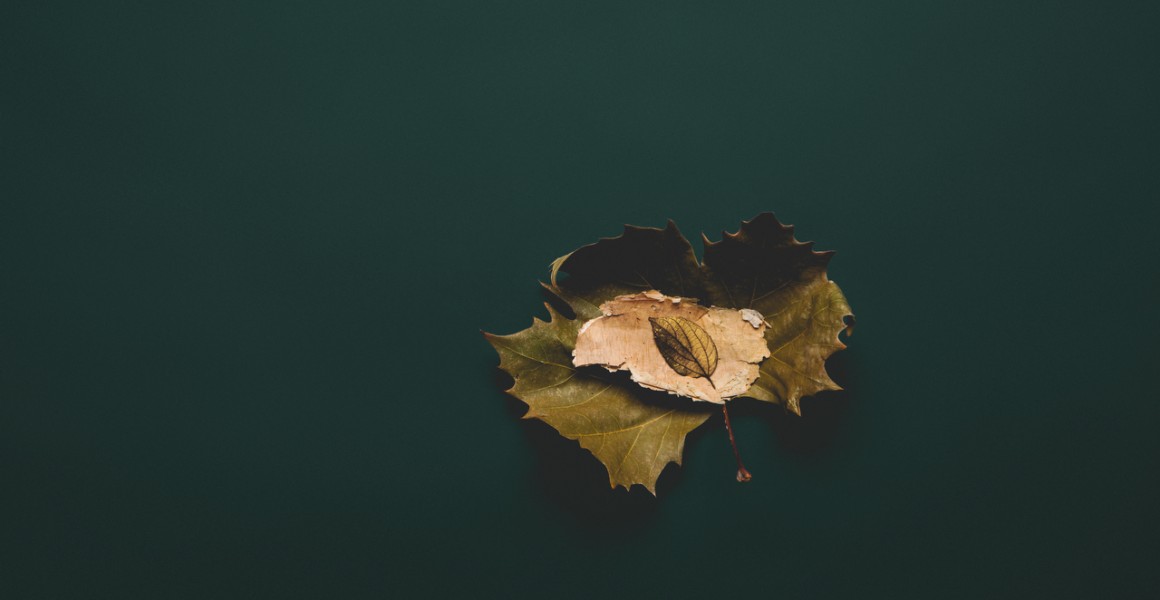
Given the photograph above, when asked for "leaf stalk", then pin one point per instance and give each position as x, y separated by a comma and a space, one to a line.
743, 474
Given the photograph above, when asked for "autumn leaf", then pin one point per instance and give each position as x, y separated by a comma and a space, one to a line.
612, 417
625, 337
685, 346
761, 272
761, 267
640, 259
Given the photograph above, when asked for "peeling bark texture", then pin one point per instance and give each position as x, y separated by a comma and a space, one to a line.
622, 339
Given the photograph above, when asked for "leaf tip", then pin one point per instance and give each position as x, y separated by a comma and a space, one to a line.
555, 266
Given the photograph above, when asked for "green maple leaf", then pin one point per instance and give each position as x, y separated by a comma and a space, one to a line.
630, 430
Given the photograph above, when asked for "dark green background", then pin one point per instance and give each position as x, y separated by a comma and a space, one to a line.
247, 249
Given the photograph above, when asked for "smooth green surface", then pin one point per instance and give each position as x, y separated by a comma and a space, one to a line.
246, 249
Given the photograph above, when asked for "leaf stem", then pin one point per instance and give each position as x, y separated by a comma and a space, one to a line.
742, 474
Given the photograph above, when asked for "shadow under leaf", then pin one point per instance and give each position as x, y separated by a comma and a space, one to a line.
571, 478
824, 416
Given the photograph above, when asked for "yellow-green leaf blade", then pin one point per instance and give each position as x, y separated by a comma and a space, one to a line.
765, 268
624, 426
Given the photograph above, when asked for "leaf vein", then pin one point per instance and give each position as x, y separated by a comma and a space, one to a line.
638, 426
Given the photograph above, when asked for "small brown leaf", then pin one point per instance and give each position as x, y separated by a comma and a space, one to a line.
685, 346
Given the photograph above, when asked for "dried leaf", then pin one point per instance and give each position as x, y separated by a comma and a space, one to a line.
610, 416
685, 346
624, 338
641, 259
761, 271
764, 268
761, 267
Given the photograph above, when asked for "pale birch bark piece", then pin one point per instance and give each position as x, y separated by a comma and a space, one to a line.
623, 339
